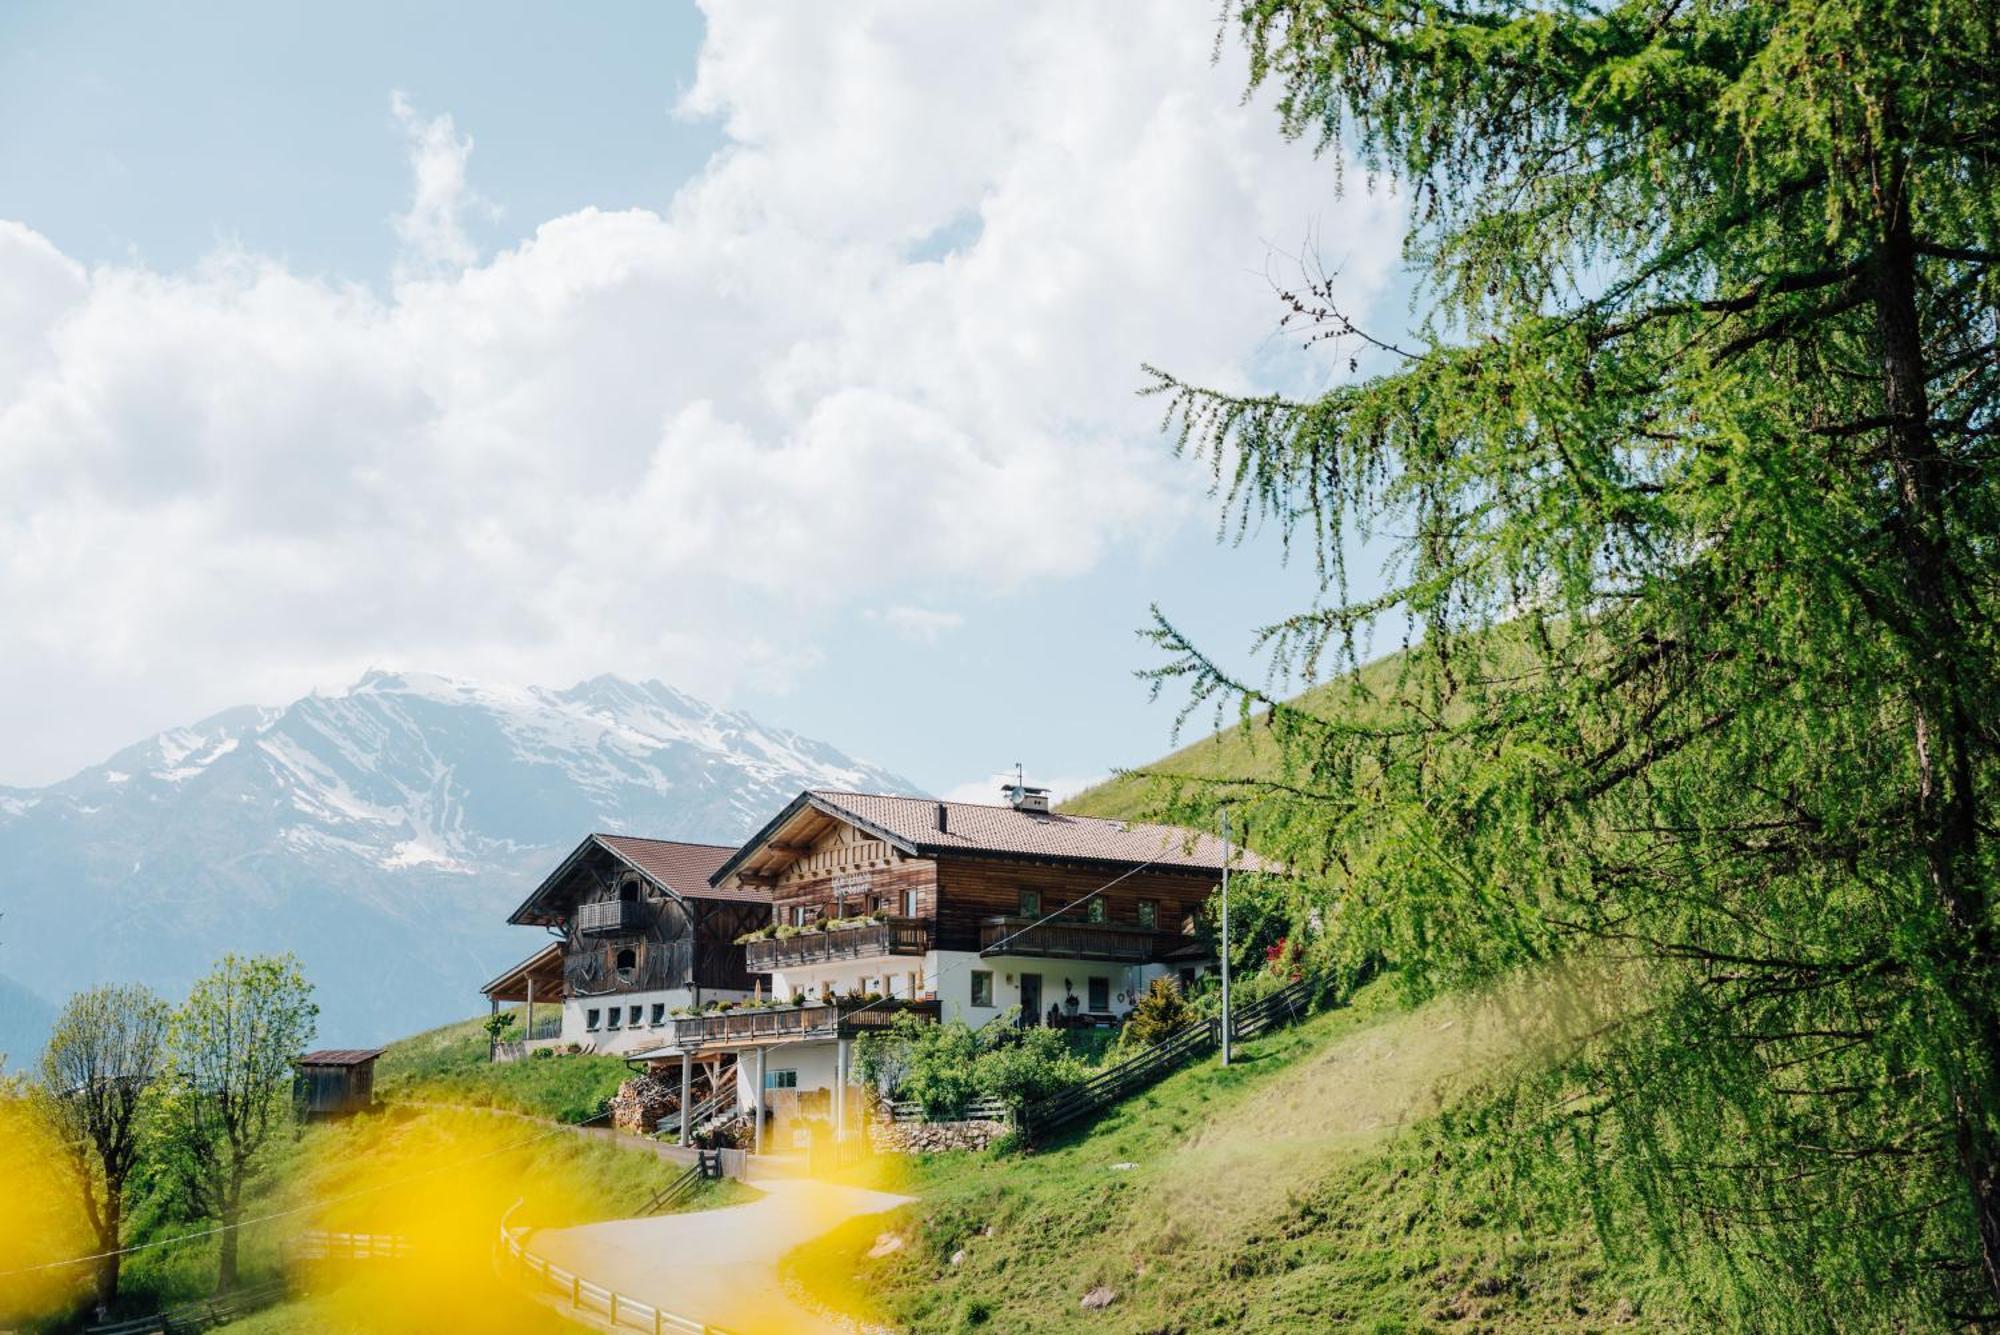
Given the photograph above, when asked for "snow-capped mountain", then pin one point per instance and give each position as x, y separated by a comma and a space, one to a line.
381, 832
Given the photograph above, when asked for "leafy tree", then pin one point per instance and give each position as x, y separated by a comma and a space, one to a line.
1161, 1012
1689, 471
102, 1058
231, 1046
1028, 1064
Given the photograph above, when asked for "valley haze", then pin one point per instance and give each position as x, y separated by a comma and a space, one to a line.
381, 832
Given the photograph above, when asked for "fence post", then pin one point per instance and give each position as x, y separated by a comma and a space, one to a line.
575, 1291
614, 1307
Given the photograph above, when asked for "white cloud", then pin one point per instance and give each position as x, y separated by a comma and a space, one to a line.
920, 625
884, 345
433, 230
987, 790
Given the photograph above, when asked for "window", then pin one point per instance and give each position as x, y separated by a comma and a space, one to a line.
590, 1019
1100, 994
1149, 914
1094, 912
629, 892
785, 1079
633, 1018
659, 1012
628, 960
982, 987
909, 903
798, 915
612, 1016
1031, 903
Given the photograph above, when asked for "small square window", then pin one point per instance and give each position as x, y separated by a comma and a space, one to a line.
613, 1016
632, 1018
909, 903
659, 1012
1095, 910
1149, 914
785, 1079
590, 1019
1031, 903
982, 987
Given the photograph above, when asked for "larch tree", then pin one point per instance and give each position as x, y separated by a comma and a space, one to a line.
1689, 473
102, 1059
229, 1087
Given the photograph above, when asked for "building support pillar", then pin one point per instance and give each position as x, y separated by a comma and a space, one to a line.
757, 1106
528, 1031
687, 1086
840, 1090
492, 1032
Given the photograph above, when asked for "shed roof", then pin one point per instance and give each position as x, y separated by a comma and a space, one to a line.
340, 1057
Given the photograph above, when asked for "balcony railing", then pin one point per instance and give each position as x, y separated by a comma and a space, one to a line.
896, 936
610, 917
793, 1024
1075, 940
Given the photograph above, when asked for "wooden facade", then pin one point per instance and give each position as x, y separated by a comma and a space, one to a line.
975, 890
625, 931
819, 867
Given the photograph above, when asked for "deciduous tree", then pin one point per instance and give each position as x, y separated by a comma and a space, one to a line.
232, 1045
102, 1059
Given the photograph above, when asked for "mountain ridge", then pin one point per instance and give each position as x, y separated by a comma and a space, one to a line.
382, 830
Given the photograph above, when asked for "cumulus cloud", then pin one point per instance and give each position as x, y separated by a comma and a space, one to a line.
920, 625
433, 229
884, 344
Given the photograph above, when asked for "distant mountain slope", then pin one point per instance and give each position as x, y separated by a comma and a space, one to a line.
382, 832
24, 1026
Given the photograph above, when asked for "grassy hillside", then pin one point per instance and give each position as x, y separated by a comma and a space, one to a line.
1292, 1191
448, 1065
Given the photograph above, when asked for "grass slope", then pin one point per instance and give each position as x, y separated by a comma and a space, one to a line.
1288, 1192
448, 1065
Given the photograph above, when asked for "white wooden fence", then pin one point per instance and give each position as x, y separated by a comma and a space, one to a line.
623, 1313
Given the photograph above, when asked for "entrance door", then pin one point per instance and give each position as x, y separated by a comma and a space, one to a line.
1031, 999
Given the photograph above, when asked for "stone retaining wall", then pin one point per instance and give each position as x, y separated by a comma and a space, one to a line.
932, 1137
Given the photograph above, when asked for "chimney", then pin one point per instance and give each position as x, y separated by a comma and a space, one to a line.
943, 827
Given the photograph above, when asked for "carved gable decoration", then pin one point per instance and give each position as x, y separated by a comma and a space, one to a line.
845, 852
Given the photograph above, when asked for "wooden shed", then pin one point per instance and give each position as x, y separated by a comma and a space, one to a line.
336, 1081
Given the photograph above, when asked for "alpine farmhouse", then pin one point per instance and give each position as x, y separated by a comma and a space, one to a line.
853, 908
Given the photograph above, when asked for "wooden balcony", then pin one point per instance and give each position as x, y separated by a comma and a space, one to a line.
611, 917
896, 936
793, 1024
1064, 939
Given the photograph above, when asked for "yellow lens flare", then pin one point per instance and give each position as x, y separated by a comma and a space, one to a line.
42, 1224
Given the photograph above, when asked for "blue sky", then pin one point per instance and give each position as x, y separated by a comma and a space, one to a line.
788, 356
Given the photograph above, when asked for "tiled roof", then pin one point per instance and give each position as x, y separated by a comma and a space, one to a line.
969, 827
684, 868
340, 1057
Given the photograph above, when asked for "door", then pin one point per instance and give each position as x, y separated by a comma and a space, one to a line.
1031, 998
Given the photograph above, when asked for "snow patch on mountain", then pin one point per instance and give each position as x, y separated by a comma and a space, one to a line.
382, 829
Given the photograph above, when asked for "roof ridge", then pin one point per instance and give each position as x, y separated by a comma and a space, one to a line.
651, 839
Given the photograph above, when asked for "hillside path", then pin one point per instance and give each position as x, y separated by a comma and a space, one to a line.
719, 1267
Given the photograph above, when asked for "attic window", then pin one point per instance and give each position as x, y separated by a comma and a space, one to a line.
629, 892
628, 961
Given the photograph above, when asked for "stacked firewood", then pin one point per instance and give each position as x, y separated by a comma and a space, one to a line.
641, 1102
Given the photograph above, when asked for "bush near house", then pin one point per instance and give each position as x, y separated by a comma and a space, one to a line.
943, 1067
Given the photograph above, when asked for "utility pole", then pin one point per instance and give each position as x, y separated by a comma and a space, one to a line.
1226, 1026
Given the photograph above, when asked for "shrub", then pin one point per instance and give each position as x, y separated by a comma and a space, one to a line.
1037, 1064
1160, 1013
540, 1053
